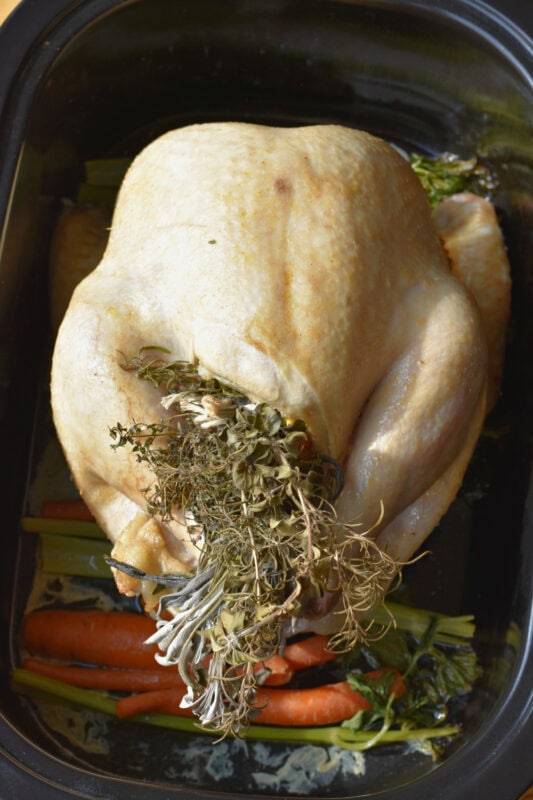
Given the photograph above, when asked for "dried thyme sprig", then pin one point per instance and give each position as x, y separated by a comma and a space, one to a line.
258, 502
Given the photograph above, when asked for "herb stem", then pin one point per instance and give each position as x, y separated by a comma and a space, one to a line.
308, 526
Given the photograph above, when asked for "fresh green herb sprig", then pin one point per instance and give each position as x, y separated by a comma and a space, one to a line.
258, 505
435, 675
448, 174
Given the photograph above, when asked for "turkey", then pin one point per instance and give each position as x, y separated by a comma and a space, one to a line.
302, 270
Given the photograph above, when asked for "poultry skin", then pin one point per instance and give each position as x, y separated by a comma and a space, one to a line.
303, 267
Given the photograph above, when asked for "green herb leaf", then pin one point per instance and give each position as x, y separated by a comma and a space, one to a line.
448, 174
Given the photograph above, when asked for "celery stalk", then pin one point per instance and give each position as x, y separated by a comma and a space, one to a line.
81, 697
103, 196
61, 555
63, 527
106, 171
449, 630
333, 735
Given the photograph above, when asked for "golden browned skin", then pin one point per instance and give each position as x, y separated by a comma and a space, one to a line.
303, 267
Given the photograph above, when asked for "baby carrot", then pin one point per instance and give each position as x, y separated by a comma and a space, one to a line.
321, 705
162, 701
310, 652
398, 687
125, 679
107, 638
66, 509
114, 679
280, 671
110, 639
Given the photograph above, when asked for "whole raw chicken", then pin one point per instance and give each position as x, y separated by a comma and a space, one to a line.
303, 267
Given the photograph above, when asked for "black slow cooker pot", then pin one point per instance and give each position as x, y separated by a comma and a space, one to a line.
82, 80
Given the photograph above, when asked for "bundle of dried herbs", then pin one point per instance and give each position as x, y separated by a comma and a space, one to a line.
258, 501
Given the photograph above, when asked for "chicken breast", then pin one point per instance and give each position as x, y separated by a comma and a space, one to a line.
303, 267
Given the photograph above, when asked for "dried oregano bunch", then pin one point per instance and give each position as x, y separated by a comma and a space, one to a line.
258, 500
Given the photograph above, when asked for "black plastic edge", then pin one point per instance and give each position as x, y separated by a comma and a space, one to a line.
30, 40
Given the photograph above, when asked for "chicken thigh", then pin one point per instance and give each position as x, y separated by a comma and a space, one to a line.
303, 267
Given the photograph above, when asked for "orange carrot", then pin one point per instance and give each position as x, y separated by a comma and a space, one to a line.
280, 671
168, 701
310, 652
321, 705
107, 638
132, 680
163, 701
398, 687
110, 639
66, 509
113, 679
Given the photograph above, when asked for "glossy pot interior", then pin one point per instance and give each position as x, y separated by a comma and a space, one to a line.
93, 79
